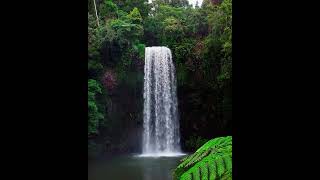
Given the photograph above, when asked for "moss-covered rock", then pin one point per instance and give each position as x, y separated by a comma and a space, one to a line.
211, 161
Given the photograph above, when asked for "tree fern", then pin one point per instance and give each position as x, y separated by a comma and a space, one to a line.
211, 161
212, 170
196, 174
186, 176
220, 167
204, 171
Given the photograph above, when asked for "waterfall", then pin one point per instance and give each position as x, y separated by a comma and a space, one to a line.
161, 134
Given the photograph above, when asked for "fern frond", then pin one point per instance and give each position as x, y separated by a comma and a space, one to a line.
211, 161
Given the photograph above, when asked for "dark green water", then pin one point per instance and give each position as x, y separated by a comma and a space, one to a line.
131, 167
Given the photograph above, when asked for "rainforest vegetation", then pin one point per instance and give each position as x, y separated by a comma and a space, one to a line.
200, 38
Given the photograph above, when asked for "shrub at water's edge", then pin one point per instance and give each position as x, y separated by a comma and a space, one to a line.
211, 161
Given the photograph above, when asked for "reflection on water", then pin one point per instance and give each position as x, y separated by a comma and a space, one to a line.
133, 168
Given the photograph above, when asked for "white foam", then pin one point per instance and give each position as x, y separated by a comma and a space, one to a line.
162, 154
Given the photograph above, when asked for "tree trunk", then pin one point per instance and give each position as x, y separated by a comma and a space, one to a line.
95, 8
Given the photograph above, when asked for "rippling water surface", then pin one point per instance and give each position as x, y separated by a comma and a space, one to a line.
133, 167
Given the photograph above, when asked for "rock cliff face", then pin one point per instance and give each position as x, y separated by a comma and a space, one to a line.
124, 106
203, 111
198, 115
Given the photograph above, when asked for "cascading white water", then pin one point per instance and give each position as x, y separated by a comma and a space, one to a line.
161, 136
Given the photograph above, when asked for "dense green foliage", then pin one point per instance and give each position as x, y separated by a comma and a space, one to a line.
94, 116
211, 161
200, 39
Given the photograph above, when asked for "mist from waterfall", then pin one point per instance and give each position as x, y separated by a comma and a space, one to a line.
161, 134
